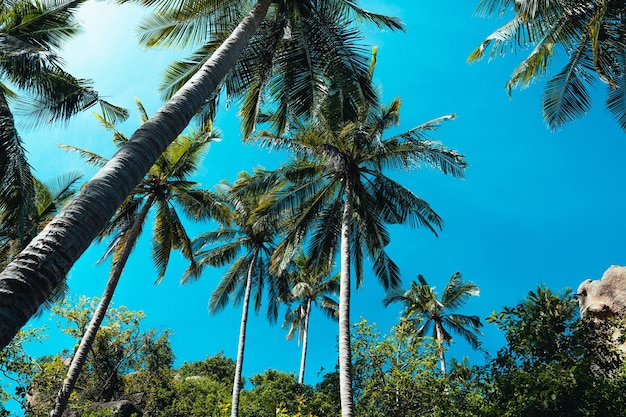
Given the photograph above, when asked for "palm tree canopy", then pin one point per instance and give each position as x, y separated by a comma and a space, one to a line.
299, 45
591, 33
426, 311
246, 242
310, 284
331, 152
167, 187
33, 81
32, 33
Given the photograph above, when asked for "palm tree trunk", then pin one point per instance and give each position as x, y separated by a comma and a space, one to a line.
345, 355
442, 355
234, 412
42, 265
86, 342
305, 341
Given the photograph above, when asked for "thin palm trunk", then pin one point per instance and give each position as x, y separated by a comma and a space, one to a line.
28, 281
442, 355
345, 355
234, 412
94, 325
305, 340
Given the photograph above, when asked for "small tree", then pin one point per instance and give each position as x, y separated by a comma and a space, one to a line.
553, 363
425, 312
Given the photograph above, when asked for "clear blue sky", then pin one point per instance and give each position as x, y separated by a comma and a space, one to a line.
535, 208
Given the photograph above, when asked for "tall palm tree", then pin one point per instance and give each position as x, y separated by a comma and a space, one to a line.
33, 81
165, 187
426, 312
34, 274
310, 284
341, 194
49, 198
246, 246
590, 33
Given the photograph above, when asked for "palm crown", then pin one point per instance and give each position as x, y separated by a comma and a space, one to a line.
334, 155
298, 47
592, 35
428, 314
166, 187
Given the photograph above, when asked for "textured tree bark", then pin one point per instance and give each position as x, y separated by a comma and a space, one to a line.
42, 265
305, 340
241, 347
345, 355
80, 356
440, 348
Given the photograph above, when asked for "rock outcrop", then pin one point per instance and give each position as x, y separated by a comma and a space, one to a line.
605, 297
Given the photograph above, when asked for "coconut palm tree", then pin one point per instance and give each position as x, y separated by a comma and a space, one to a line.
426, 312
165, 187
44, 262
246, 246
33, 81
48, 199
340, 192
590, 33
310, 284
298, 46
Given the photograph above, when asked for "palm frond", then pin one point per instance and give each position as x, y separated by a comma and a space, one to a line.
89, 157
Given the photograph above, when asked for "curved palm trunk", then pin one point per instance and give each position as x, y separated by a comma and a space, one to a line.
234, 412
35, 273
80, 356
305, 341
345, 355
442, 356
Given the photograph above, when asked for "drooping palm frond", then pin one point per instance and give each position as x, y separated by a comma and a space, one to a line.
47, 23
589, 33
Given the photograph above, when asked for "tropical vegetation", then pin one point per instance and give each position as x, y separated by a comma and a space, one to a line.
424, 312
563, 366
301, 75
311, 285
341, 195
75, 227
166, 186
245, 244
589, 33
34, 84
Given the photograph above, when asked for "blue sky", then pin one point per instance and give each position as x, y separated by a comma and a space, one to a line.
536, 207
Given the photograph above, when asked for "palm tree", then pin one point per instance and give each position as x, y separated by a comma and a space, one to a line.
165, 187
247, 246
342, 195
44, 262
30, 34
591, 33
298, 46
310, 284
426, 312
48, 199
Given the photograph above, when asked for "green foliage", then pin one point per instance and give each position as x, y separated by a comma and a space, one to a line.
396, 375
554, 364
218, 367
273, 392
123, 363
17, 366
